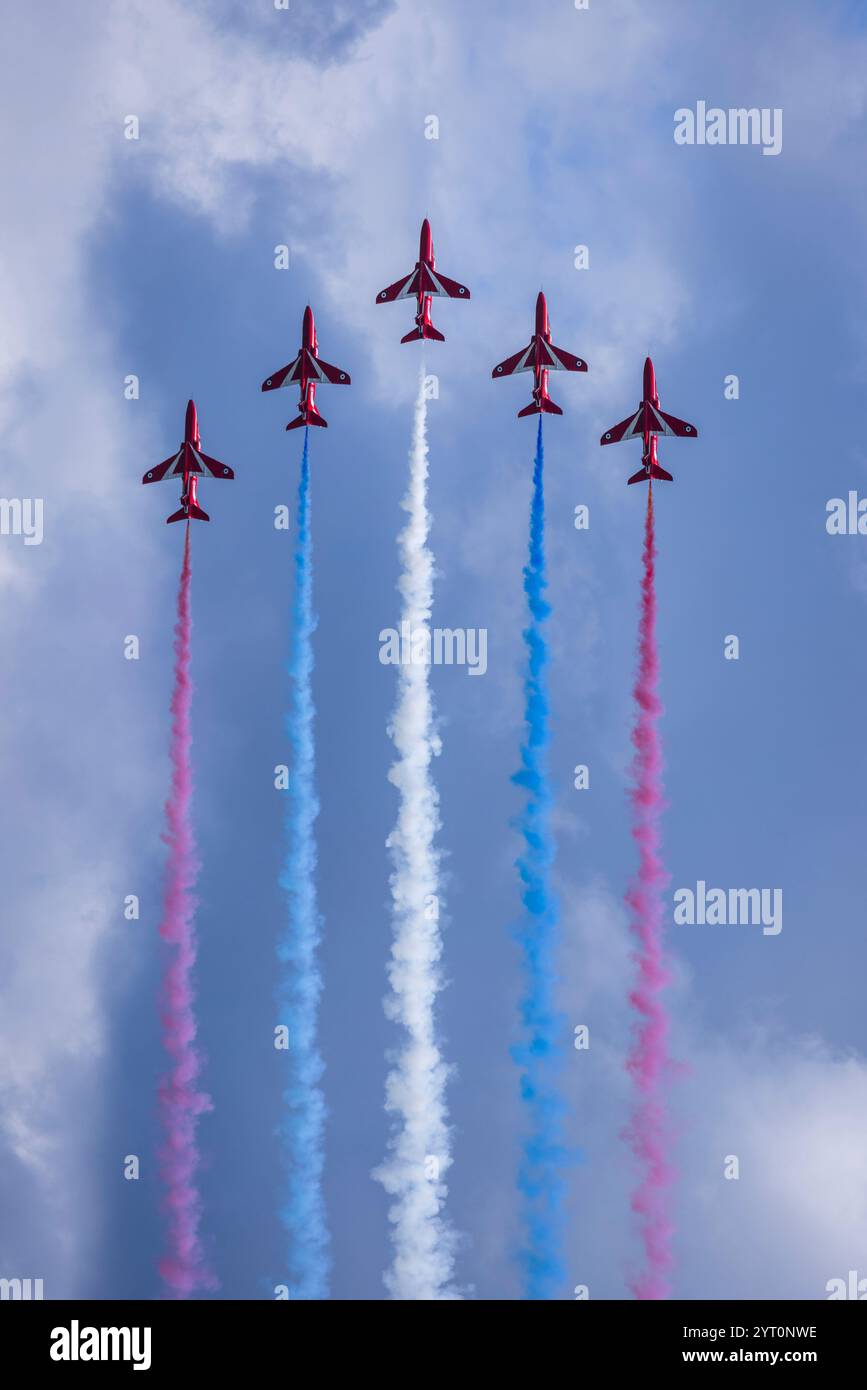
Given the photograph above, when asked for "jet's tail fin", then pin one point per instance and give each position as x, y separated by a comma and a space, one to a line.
426, 330
656, 471
307, 417
183, 514
546, 406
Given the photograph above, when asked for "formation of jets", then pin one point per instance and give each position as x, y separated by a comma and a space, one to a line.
308, 370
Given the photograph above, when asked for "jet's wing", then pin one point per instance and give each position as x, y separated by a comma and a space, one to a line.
434, 283
213, 466
669, 424
562, 361
285, 377
326, 372
627, 429
520, 362
165, 469
401, 289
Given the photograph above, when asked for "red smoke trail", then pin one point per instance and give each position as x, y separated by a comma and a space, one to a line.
648, 1058
183, 1267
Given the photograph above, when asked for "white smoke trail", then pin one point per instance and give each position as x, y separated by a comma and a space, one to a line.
420, 1147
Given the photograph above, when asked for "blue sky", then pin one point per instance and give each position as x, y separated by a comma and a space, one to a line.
155, 257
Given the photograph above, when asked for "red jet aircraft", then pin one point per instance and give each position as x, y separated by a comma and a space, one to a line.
649, 422
307, 371
189, 463
540, 357
423, 282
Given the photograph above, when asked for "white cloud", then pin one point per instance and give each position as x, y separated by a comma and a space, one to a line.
790, 1108
80, 771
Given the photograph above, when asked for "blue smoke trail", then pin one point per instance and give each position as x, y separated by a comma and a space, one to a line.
300, 985
543, 1155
